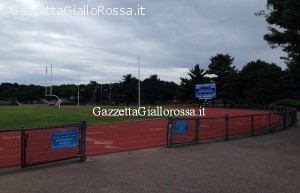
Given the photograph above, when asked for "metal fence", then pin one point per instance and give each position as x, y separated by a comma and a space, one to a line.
33, 146
10, 148
182, 130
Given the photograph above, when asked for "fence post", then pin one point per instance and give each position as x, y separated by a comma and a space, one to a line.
284, 120
287, 118
294, 113
269, 122
169, 132
292, 117
23, 147
252, 125
197, 125
83, 140
226, 127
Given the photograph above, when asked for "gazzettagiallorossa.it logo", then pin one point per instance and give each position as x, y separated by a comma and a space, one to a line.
147, 111
84, 10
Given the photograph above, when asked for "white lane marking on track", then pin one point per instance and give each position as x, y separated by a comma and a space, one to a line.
155, 129
96, 132
111, 147
204, 126
100, 142
239, 123
15, 137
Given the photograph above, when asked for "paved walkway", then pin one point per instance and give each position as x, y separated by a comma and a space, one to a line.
268, 163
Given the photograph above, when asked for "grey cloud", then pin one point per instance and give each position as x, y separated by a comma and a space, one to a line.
171, 38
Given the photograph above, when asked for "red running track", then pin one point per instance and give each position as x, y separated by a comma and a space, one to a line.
118, 137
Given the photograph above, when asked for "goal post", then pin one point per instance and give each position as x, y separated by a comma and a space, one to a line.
46, 87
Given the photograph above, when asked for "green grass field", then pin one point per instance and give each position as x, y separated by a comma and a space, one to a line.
12, 117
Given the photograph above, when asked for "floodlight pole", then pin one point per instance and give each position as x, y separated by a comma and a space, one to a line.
78, 93
139, 83
101, 93
51, 81
46, 82
110, 94
95, 95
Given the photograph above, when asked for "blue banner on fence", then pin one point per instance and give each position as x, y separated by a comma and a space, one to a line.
64, 139
180, 127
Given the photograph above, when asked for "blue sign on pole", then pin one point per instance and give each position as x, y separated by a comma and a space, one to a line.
180, 127
64, 139
206, 91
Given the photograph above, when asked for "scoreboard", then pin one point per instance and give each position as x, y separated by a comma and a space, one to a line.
206, 90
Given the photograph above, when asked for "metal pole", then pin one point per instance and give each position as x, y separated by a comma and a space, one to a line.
95, 96
269, 122
110, 94
283, 120
169, 132
252, 125
226, 127
51, 81
58, 103
46, 82
78, 93
23, 147
101, 94
83, 140
139, 83
197, 125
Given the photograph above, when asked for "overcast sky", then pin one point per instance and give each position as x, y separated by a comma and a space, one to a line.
171, 37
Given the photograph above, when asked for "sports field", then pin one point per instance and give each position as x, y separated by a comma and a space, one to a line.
115, 134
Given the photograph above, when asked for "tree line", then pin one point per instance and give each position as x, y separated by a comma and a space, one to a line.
257, 82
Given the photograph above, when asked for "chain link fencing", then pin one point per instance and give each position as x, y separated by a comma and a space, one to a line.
181, 130
33, 146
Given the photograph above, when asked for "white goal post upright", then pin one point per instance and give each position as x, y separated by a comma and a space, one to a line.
46, 92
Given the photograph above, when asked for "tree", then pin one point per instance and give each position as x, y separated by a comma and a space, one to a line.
283, 17
151, 90
129, 89
221, 66
168, 91
262, 82
186, 89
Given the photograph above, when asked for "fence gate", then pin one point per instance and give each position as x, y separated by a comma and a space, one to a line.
182, 130
53, 143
